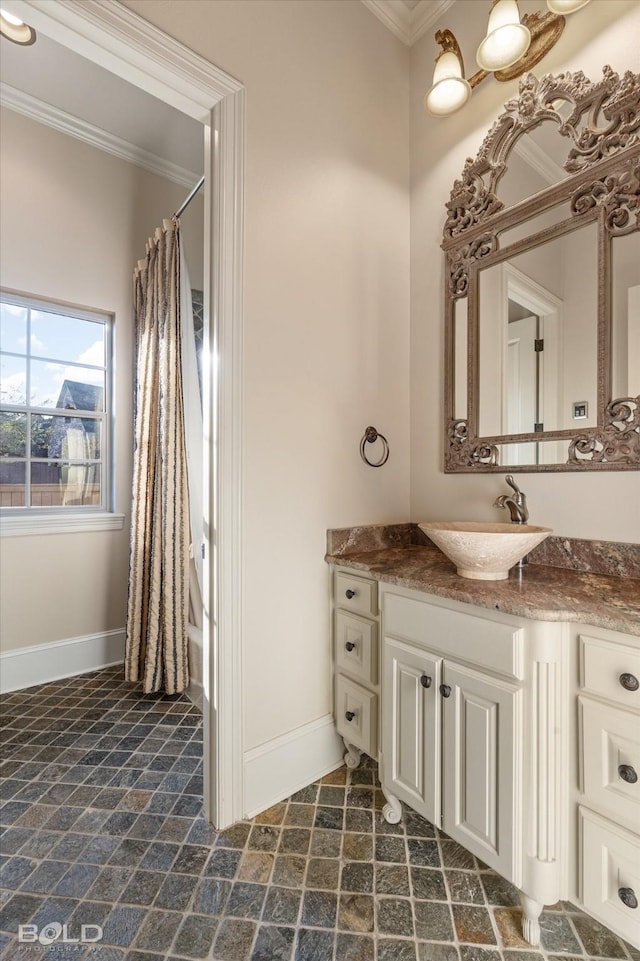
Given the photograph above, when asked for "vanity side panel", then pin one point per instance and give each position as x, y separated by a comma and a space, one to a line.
547, 753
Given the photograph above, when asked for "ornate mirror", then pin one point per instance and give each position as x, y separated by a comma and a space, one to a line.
542, 302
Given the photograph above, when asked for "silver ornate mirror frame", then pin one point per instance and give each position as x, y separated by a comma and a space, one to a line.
602, 121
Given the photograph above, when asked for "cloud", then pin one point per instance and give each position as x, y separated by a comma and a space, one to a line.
13, 310
14, 388
36, 343
93, 355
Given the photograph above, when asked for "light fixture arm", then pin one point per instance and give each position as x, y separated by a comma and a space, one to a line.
449, 44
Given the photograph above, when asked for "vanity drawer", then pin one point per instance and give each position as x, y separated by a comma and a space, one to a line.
356, 594
357, 646
493, 642
610, 669
609, 872
357, 715
610, 759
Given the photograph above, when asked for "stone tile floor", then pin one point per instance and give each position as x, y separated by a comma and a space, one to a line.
101, 825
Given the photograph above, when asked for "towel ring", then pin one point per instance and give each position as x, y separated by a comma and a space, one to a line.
370, 436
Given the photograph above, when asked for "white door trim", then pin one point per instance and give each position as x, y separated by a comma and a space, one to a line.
124, 43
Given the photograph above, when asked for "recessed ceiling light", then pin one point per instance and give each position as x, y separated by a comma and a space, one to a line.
14, 29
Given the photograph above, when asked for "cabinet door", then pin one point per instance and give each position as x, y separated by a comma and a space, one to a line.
482, 719
411, 727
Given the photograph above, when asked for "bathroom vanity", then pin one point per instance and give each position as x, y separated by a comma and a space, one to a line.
506, 713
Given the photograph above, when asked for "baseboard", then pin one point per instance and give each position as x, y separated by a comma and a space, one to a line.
280, 767
30, 666
195, 693
195, 689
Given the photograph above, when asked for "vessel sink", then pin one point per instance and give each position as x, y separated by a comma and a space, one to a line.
484, 552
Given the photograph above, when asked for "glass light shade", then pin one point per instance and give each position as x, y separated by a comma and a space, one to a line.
566, 6
507, 39
15, 30
450, 90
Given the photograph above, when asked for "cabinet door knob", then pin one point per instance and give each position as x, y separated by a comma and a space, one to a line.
629, 682
350, 715
445, 690
628, 897
425, 680
627, 773
349, 594
350, 646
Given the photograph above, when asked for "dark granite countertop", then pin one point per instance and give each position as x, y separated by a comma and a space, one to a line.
540, 592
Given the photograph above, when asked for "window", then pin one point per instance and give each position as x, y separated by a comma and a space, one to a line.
55, 402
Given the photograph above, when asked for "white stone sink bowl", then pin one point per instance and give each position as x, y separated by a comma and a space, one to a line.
484, 552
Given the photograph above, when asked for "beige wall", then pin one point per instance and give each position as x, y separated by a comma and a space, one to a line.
326, 312
74, 222
596, 505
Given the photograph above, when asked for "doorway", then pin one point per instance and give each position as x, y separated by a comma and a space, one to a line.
126, 45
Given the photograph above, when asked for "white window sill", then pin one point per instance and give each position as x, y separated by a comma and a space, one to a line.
26, 524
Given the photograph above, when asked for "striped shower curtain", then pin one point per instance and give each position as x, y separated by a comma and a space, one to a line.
158, 603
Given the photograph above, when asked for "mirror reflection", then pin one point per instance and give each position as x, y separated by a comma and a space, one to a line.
461, 334
625, 315
535, 162
538, 331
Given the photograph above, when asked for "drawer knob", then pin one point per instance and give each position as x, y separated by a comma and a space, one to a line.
425, 680
349, 594
445, 690
350, 715
629, 682
628, 897
350, 646
628, 773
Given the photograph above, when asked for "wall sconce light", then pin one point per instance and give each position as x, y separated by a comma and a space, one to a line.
15, 30
511, 47
450, 90
507, 38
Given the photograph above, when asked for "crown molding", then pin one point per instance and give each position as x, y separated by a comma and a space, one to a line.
408, 25
66, 123
538, 160
426, 14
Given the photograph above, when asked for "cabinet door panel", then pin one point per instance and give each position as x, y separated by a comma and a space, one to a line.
482, 733
411, 727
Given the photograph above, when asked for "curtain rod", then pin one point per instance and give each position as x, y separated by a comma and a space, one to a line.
195, 190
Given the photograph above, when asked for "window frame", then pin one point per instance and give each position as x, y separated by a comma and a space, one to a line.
77, 517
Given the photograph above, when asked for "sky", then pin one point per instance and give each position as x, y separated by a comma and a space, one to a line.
58, 343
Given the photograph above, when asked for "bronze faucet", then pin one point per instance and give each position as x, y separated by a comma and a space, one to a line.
517, 503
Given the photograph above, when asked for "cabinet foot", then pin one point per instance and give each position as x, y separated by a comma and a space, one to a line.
352, 756
392, 811
531, 911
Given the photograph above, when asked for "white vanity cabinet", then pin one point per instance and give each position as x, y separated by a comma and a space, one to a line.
471, 734
520, 738
451, 734
607, 800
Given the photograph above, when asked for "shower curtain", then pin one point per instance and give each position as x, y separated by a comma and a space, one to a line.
161, 540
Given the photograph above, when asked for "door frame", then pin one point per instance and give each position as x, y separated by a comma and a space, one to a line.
122, 42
